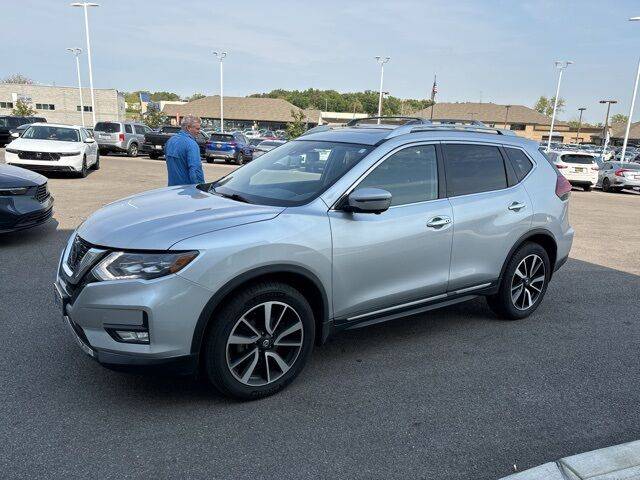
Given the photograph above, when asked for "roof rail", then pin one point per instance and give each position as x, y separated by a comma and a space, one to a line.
398, 121
473, 126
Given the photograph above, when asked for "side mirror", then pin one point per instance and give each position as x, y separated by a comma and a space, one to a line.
90, 140
368, 200
15, 134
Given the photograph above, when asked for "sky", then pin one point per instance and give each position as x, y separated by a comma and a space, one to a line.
481, 50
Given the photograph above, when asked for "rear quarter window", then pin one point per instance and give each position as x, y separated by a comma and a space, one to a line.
520, 162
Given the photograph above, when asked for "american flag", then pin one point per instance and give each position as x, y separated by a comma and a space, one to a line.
434, 89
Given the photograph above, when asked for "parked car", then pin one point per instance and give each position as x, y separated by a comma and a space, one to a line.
18, 131
254, 142
266, 146
50, 147
335, 230
25, 200
231, 147
9, 122
125, 137
617, 176
581, 169
155, 141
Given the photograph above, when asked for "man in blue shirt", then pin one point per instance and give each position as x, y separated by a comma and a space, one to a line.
182, 154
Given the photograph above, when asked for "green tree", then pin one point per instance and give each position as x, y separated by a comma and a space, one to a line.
619, 118
18, 79
170, 96
23, 109
544, 105
297, 127
154, 118
195, 96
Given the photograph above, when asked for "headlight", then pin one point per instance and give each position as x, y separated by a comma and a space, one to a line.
12, 150
13, 191
69, 154
145, 266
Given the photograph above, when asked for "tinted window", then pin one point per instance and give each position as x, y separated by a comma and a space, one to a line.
128, 129
139, 129
410, 175
61, 134
108, 127
220, 137
474, 169
520, 162
580, 159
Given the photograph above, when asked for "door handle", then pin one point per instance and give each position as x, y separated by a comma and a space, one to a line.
516, 206
439, 222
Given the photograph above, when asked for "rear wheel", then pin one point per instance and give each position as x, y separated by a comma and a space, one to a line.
523, 284
132, 151
96, 166
606, 185
260, 341
154, 155
238, 159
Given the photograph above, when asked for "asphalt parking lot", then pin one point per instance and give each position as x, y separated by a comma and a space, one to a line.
452, 394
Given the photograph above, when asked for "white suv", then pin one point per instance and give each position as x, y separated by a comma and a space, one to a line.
579, 168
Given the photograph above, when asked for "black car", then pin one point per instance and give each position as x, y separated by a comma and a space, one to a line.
25, 200
10, 122
154, 142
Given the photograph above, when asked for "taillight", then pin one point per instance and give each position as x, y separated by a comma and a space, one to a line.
561, 166
620, 172
121, 137
563, 187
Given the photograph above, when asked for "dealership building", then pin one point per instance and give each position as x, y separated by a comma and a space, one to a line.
62, 104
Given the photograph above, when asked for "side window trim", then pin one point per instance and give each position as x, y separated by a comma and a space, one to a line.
354, 185
512, 178
534, 163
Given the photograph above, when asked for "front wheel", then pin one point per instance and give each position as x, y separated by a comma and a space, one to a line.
523, 284
82, 173
154, 155
587, 188
606, 185
96, 166
260, 341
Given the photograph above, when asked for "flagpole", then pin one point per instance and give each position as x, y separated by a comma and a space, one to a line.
433, 95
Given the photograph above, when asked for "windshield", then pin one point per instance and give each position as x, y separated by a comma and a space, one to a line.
581, 159
292, 174
108, 127
60, 134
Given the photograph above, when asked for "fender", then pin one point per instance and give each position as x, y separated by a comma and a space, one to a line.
520, 241
216, 299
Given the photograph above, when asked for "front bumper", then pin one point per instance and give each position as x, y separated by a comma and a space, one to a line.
19, 213
64, 164
226, 154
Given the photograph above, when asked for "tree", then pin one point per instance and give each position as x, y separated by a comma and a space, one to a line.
297, 127
154, 117
170, 96
619, 118
23, 109
544, 105
195, 96
17, 78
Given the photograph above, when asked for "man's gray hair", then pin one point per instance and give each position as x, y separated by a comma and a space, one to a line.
189, 121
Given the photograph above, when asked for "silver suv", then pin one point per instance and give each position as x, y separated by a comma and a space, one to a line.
338, 229
126, 137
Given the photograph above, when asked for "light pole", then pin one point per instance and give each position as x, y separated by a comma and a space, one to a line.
221, 56
582, 109
381, 61
85, 5
560, 65
633, 103
76, 53
506, 115
606, 124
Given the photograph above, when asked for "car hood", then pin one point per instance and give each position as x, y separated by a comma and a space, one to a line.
50, 146
158, 219
11, 176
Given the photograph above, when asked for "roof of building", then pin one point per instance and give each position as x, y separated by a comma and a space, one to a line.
618, 130
486, 112
241, 108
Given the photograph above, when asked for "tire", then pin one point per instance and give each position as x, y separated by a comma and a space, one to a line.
210, 160
96, 166
132, 151
256, 354
238, 159
606, 185
587, 188
226, 160
84, 170
522, 302
154, 155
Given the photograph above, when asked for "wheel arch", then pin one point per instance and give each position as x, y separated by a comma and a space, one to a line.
298, 277
542, 237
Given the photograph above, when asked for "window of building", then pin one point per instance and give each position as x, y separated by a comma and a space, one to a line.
410, 175
45, 106
87, 108
520, 162
473, 169
517, 126
6, 104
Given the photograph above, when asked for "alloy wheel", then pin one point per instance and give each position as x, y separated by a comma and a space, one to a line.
528, 282
264, 343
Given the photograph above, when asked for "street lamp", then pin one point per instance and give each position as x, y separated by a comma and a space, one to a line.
560, 65
606, 124
506, 115
221, 56
381, 61
582, 109
85, 5
633, 103
76, 53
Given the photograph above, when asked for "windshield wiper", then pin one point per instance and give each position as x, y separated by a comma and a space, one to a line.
233, 196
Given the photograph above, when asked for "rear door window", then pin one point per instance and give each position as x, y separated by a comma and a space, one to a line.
128, 129
139, 129
473, 169
520, 162
107, 127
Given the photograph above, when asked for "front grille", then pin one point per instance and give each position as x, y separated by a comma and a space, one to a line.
42, 193
35, 217
78, 250
46, 156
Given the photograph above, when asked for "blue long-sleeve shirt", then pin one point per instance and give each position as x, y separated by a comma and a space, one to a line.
183, 160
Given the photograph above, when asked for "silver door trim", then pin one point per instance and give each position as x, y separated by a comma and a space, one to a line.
396, 307
470, 289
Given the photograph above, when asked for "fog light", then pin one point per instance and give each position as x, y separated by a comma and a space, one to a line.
132, 336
